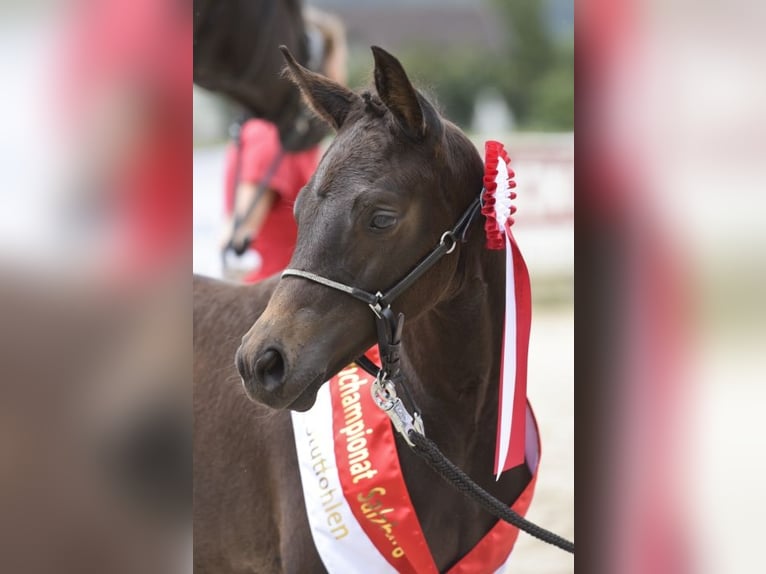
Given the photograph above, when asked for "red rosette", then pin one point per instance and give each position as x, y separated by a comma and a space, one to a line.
497, 195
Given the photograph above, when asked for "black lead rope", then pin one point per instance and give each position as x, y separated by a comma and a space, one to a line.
426, 449
389, 379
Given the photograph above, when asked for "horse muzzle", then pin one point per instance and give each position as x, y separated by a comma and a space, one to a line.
293, 349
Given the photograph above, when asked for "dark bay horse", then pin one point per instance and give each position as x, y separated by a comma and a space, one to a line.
394, 179
235, 54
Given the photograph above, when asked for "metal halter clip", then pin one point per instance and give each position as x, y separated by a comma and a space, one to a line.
376, 307
384, 395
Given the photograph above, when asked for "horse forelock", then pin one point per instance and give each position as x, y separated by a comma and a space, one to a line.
373, 105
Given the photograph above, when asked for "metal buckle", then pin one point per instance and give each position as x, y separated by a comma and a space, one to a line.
384, 394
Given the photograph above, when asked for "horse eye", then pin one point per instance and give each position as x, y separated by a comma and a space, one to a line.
382, 221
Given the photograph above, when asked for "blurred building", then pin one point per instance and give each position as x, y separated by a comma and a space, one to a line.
401, 23
396, 24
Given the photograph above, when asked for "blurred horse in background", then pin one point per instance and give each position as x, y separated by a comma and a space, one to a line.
236, 54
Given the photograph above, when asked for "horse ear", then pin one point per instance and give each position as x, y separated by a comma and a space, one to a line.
328, 99
396, 91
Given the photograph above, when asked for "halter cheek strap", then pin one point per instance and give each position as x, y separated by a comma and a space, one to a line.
379, 301
360, 294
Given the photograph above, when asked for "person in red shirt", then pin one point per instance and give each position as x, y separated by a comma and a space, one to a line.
260, 162
270, 229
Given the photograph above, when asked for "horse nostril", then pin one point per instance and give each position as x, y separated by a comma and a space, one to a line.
270, 369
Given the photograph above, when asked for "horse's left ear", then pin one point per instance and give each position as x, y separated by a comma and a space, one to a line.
328, 99
396, 91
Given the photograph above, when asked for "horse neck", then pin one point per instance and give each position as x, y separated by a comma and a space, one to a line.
451, 353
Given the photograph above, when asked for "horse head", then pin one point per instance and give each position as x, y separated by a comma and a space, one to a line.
235, 54
396, 176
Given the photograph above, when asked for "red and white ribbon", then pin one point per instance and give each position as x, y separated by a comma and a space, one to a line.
358, 506
497, 208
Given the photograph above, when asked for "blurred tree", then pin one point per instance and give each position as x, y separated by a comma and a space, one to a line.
534, 69
552, 94
530, 50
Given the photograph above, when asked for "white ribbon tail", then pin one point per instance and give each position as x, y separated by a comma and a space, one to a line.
508, 365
